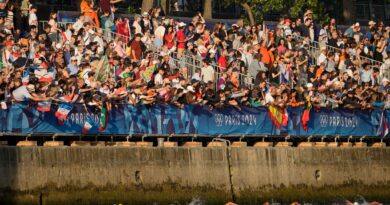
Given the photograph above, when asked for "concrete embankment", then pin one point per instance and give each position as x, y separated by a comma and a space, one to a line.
93, 175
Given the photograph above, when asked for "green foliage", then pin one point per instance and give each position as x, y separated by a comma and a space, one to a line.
288, 8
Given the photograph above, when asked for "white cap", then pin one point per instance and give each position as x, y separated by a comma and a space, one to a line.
145, 14
309, 85
235, 25
356, 24
181, 24
385, 80
73, 58
31, 87
190, 88
371, 23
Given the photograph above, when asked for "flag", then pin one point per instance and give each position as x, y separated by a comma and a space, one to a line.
102, 70
383, 129
103, 120
285, 117
25, 77
88, 124
306, 115
63, 111
44, 106
285, 77
278, 116
147, 74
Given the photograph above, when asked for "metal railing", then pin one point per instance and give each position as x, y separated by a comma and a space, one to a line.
315, 51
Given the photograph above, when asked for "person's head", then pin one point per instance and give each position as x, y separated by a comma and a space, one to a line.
53, 15
308, 21
161, 71
170, 29
31, 88
138, 37
385, 82
281, 42
33, 9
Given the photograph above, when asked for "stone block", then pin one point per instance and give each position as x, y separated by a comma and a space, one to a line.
192, 144
360, 144
144, 144
170, 144
53, 144
321, 144
26, 143
216, 144
80, 144
283, 144
378, 145
306, 144
125, 144
263, 144
239, 144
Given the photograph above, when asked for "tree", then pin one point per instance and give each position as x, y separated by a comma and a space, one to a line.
208, 9
146, 5
256, 9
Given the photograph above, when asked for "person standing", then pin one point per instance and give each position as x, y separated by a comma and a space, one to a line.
181, 39
86, 8
207, 72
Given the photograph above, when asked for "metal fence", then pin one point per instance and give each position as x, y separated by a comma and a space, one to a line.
315, 50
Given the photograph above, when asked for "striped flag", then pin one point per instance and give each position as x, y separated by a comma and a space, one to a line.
88, 124
25, 77
44, 106
383, 130
278, 116
103, 120
63, 111
102, 70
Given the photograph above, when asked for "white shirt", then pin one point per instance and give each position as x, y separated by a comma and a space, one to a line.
78, 25
32, 19
158, 79
268, 98
159, 32
208, 73
99, 40
138, 28
21, 94
196, 76
321, 58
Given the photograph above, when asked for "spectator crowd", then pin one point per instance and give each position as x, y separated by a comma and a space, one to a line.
103, 58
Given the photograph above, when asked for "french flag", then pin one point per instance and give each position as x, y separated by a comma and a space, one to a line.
25, 78
383, 127
44, 106
63, 111
88, 124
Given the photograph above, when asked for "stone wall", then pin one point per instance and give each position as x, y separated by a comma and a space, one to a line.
254, 169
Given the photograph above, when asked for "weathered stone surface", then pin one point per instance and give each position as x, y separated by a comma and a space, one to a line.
251, 168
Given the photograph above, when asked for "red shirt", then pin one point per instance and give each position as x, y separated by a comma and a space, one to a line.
222, 62
181, 37
169, 40
136, 47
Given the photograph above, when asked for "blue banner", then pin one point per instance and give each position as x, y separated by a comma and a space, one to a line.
167, 119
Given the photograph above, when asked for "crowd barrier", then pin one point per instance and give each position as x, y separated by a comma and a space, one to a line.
166, 119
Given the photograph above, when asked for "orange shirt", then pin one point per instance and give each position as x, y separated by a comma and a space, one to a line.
234, 80
266, 58
85, 7
319, 72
